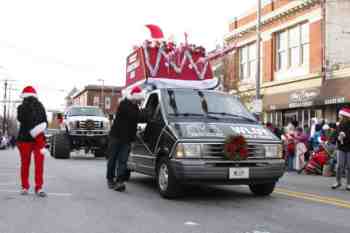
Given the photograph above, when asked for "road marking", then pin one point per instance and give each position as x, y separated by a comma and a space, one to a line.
49, 194
314, 197
6, 184
189, 223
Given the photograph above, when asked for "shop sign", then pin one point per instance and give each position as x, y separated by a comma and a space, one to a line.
335, 100
301, 104
303, 98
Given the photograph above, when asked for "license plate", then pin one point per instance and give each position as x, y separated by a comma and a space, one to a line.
238, 173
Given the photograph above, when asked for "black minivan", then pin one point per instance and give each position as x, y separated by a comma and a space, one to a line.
183, 142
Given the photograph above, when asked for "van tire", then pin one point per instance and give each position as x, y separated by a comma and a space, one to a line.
167, 183
262, 189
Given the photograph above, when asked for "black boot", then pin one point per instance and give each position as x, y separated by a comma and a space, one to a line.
110, 184
120, 186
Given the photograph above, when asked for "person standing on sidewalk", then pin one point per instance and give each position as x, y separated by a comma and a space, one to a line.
122, 133
31, 115
343, 144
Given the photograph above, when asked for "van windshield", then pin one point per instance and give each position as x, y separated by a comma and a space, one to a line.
200, 103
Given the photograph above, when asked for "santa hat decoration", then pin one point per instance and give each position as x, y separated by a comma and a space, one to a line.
136, 93
345, 112
28, 91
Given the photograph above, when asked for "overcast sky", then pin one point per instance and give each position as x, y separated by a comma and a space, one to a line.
57, 44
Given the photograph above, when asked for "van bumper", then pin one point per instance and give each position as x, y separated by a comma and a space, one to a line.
217, 172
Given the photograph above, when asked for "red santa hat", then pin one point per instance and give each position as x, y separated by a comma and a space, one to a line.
28, 91
345, 112
136, 93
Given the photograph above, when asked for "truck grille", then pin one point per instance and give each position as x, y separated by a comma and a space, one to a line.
90, 125
217, 150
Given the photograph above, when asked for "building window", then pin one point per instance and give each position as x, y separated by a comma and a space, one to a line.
247, 62
108, 102
96, 101
293, 47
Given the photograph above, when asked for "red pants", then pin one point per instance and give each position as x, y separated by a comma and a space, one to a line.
26, 149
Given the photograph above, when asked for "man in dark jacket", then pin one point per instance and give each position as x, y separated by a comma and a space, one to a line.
31, 139
122, 133
343, 144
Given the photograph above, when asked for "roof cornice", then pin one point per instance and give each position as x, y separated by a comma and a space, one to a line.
288, 9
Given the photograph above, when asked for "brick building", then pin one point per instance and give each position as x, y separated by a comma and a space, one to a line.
92, 95
305, 57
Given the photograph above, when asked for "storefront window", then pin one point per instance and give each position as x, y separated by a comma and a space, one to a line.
306, 117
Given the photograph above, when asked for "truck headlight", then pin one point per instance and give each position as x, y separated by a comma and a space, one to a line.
188, 150
106, 125
273, 151
73, 124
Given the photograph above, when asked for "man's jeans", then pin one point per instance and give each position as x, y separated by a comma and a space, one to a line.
290, 161
118, 153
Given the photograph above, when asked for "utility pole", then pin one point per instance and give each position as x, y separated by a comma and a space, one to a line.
102, 94
4, 115
258, 56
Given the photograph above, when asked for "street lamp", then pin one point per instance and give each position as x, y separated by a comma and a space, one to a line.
102, 93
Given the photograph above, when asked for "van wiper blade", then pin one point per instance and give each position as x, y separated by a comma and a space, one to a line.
187, 114
232, 115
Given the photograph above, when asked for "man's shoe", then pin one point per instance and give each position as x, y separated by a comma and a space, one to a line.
110, 184
41, 193
336, 185
24, 192
120, 187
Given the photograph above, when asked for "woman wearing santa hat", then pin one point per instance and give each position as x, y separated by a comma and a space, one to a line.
31, 139
343, 144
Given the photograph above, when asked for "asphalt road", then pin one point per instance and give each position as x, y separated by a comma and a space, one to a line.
79, 201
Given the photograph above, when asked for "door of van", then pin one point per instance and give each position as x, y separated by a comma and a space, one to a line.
144, 148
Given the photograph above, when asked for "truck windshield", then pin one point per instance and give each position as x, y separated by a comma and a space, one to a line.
85, 112
200, 103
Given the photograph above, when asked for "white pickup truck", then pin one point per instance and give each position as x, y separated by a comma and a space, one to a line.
83, 127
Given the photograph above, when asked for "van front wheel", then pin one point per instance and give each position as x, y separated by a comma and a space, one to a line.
262, 189
168, 186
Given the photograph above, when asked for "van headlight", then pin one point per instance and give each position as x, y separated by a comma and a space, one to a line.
273, 151
188, 150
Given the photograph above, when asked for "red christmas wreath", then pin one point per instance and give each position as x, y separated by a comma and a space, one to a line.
235, 148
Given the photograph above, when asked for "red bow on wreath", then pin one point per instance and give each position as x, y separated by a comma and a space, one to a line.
235, 148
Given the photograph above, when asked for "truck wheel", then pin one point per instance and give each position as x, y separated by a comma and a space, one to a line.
61, 146
127, 175
100, 153
168, 186
262, 189
51, 145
